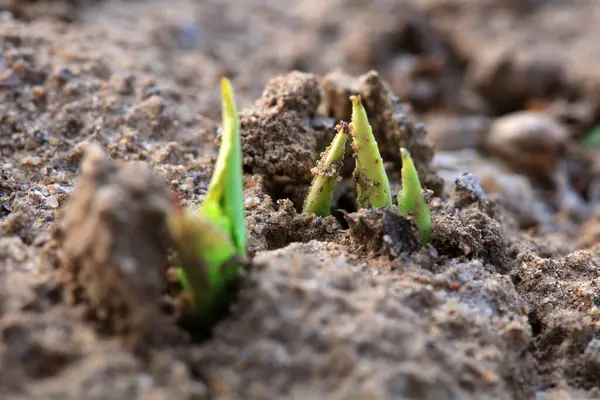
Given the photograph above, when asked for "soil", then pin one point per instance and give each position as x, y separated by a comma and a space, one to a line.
110, 111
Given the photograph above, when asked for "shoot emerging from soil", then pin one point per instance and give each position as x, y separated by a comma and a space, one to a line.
224, 201
410, 198
326, 175
373, 188
210, 263
212, 243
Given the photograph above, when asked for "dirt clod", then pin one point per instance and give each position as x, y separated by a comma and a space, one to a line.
469, 228
113, 240
563, 297
276, 225
400, 234
277, 139
382, 232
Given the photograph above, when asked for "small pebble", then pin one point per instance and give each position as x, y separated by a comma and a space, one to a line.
38, 91
528, 141
592, 354
471, 184
329, 229
186, 187
251, 202
490, 377
65, 75
52, 201
32, 161
124, 84
145, 380
62, 188
259, 228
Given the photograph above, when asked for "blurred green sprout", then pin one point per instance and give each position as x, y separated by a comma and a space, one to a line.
592, 138
211, 242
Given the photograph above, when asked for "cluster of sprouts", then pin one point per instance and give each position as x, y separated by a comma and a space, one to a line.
211, 242
372, 185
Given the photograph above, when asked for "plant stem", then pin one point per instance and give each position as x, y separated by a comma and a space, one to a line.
226, 188
326, 174
372, 183
205, 251
410, 198
212, 243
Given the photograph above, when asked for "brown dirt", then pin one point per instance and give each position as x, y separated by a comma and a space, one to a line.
111, 240
502, 304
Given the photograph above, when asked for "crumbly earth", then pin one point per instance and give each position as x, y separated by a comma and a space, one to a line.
110, 109
110, 242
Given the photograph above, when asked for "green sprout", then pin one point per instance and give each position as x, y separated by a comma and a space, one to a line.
372, 185
592, 138
326, 175
373, 188
212, 243
410, 198
210, 263
224, 201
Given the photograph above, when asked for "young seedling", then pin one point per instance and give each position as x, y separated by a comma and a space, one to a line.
373, 188
410, 198
224, 201
326, 174
212, 243
210, 264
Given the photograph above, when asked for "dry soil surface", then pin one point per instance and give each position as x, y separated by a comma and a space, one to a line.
110, 109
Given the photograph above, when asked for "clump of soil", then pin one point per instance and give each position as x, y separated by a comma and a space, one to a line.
382, 232
113, 240
277, 139
564, 299
468, 227
276, 225
272, 224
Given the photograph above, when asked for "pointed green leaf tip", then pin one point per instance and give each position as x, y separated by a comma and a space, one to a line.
326, 174
224, 201
410, 198
373, 187
212, 242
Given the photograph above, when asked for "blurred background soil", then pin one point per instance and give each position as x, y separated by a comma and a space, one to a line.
504, 305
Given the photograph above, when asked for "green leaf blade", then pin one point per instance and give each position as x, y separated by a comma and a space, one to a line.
410, 199
234, 189
326, 175
212, 242
373, 187
226, 187
203, 249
